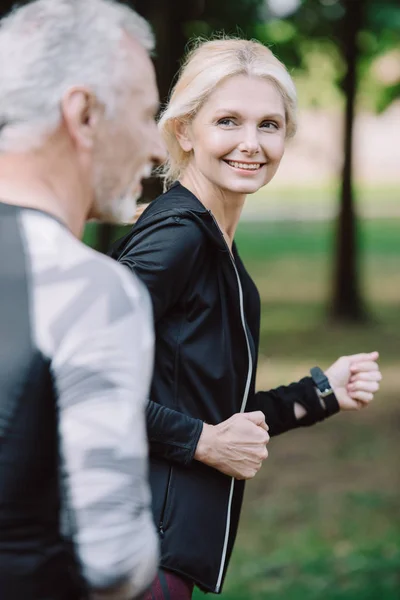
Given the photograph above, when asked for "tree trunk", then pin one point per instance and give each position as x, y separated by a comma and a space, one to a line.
347, 302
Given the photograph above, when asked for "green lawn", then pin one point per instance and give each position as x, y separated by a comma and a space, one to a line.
384, 196
322, 519
265, 241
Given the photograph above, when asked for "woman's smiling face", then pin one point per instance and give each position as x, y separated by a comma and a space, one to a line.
237, 138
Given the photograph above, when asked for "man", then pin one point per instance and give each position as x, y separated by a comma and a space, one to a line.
77, 134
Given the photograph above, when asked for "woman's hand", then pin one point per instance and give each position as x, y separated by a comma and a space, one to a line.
237, 446
355, 379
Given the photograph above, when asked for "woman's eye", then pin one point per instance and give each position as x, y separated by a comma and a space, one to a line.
226, 121
269, 125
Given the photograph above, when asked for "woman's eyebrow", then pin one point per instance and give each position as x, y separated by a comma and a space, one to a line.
235, 113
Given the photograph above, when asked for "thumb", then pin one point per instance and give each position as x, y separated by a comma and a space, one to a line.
258, 418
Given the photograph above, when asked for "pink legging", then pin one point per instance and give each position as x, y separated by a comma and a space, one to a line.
170, 586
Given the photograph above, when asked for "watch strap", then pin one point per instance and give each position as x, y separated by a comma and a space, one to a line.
325, 391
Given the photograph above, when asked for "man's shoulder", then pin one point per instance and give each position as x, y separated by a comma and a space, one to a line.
108, 275
63, 257
109, 283
80, 283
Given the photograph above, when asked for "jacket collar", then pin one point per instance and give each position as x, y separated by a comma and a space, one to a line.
179, 202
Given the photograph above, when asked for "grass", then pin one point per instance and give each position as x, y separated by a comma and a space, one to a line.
328, 192
262, 242
321, 521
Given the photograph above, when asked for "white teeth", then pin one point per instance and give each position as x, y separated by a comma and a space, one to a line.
239, 165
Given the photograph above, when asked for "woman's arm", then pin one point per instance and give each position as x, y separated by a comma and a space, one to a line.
291, 406
172, 435
164, 257
235, 447
353, 379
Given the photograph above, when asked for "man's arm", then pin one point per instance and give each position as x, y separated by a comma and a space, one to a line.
102, 372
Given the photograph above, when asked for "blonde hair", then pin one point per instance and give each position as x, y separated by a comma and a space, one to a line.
206, 66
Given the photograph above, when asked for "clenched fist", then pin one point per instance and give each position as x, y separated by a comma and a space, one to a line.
237, 446
355, 379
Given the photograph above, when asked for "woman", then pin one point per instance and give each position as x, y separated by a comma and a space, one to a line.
225, 128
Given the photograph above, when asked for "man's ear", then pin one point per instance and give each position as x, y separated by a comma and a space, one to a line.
81, 114
182, 133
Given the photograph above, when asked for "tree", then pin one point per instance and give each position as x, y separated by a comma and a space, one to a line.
378, 19
347, 303
359, 31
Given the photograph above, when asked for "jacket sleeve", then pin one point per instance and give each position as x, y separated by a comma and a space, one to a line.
164, 257
278, 406
172, 435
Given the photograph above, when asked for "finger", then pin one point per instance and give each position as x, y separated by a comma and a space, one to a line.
264, 426
262, 437
366, 376
257, 417
364, 356
363, 386
364, 397
364, 366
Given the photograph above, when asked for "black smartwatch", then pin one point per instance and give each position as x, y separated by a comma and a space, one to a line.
324, 391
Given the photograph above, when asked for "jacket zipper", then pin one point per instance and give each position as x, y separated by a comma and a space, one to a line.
242, 409
161, 523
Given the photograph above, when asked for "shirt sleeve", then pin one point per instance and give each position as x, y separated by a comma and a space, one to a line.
102, 371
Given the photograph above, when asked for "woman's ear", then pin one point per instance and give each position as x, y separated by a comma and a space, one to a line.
181, 130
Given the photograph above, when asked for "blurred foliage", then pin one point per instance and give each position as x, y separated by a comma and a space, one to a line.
311, 40
240, 19
388, 95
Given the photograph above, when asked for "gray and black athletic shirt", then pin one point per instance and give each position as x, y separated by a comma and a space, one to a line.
76, 356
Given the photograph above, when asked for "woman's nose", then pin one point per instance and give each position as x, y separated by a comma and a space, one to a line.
250, 143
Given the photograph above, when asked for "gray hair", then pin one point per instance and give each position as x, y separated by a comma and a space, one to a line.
49, 46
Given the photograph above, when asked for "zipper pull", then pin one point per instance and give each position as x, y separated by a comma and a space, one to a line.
161, 530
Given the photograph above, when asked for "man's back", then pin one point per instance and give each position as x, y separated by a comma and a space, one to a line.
73, 492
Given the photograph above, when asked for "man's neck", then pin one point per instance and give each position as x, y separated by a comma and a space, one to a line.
30, 181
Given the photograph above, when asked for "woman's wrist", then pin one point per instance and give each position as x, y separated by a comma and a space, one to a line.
205, 444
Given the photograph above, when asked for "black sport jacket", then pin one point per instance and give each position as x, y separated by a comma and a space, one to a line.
207, 318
